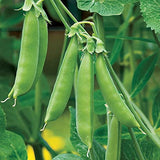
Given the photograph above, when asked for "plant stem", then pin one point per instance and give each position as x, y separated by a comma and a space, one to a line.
156, 39
46, 145
60, 15
100, 27
137, 147
67, 11
38, 151
37, 108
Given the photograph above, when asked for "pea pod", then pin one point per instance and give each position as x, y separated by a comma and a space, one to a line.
84, 100
111, 95
43, 44
112, 151
28, 60
64, 82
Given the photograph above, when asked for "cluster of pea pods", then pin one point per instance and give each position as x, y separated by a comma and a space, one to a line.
31, 61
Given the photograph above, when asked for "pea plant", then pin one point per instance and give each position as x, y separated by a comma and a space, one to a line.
107, 78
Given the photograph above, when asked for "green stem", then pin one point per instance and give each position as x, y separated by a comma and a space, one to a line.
67, 11
70, 14
46, 145
38, 151
38, 99
74, 19
137, 147
37, 108
100, 27
60, 15
156, 39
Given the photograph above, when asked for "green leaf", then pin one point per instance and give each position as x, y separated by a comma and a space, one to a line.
67, 156
142, 74
128, 1
99, 107
107, 8
2, 121
149, 150
151, 12
156, 111
101, 135
98, 151
85, 4
13, 115
11, 145
127, 150
102, 7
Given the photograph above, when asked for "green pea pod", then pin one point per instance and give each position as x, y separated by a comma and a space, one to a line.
84, 100
28, 59
112, 152
43, 45
111, 95
64, 82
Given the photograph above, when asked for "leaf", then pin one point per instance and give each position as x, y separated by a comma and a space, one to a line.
128, 1
13, 116
101, 135
127, 150
85, 4
2, 121
156, 111
11, 145
103, 7
99, 107
149, 150
98, 151
151, 12
142, 74
107, 8
67, 156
